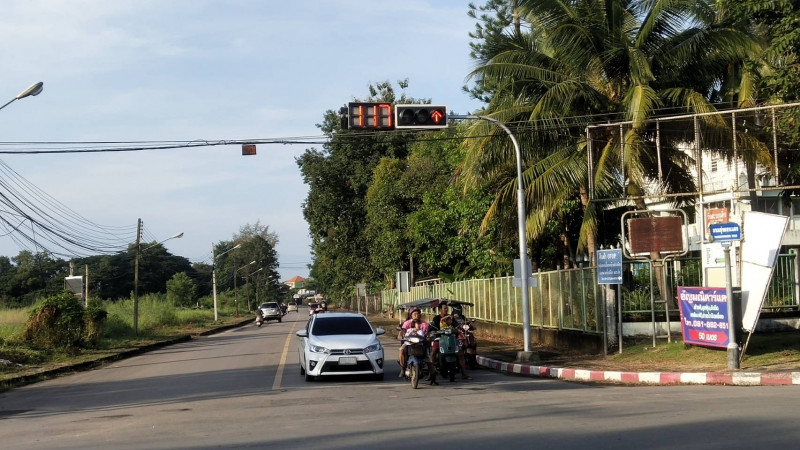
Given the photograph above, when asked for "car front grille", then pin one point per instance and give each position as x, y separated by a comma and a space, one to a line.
353, 351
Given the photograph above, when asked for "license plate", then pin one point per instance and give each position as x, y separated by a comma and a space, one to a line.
347, 361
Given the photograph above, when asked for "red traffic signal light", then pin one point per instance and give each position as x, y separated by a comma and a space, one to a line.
420, 116
368, 116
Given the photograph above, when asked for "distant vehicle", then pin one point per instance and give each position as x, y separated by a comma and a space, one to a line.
292, 307
271, 311
340, 344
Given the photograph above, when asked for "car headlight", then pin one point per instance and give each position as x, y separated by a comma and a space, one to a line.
372, 348
318, 349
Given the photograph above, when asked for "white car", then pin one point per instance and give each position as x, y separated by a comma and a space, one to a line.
292, 306
340, 344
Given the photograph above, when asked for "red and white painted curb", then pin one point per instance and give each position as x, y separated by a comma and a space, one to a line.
646, 378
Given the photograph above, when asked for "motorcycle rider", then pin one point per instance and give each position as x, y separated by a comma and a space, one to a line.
436, 324
414, 325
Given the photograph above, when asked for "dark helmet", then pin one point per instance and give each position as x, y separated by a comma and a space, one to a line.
458, 310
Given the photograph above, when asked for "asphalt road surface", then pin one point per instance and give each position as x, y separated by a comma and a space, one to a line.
243, 389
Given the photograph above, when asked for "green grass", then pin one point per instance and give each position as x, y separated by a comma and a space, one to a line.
12, 321
158, 320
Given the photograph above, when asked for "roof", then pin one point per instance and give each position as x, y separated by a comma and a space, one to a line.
296, 279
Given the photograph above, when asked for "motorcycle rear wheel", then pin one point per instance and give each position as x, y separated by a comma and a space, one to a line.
414, 370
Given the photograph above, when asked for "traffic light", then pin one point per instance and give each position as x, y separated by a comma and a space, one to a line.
420, 116
368, 116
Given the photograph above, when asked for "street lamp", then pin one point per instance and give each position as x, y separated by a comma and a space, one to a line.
521, 215
214, 273
34, 89
136, 269
235, 294
257, 283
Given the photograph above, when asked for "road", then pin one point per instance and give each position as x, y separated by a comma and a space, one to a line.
243, 389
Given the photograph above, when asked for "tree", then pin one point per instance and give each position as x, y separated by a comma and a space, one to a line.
626, 59
181, 290
338, 177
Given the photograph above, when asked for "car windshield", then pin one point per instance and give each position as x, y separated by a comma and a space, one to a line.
341, 325
269, 305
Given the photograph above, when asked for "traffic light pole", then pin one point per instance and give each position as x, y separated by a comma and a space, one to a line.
523, 245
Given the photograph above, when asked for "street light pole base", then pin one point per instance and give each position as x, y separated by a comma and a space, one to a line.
733, 357
528, 357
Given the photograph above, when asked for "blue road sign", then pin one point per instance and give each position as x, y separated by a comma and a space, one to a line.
725, 232
609, 266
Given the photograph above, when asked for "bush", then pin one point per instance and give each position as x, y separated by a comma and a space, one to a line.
182, 290
60, 321
95, 319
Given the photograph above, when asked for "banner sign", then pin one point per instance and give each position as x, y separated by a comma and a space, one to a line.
704, 315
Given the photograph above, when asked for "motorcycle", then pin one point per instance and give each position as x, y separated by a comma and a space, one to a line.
468, 342
446, 357
259, 318
416, 363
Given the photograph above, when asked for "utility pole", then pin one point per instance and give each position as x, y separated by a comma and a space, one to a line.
214, 280
86, 286
136, 278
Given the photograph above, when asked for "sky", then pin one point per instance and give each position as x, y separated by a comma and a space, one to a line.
194, 70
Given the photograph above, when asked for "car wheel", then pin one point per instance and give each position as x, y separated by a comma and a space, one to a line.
378, 377
309, 377
302, 370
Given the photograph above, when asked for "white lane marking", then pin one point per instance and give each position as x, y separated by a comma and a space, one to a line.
279, 375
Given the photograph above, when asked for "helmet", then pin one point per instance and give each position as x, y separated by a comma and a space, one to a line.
457, 310
414, 309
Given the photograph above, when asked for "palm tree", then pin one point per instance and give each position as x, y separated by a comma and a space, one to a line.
595, 60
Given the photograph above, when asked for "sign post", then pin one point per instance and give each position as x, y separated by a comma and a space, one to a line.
725, 233
609, 271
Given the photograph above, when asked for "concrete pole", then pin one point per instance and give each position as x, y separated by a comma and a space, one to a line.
136, 278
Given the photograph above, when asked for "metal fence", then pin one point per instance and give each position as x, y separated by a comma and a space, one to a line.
572, 299
782, 292
565, 299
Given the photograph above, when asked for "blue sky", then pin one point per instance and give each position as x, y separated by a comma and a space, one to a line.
208, 70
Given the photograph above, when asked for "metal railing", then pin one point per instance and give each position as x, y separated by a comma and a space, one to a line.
564, 299
571, 299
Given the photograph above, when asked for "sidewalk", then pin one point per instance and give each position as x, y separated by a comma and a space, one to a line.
645, 378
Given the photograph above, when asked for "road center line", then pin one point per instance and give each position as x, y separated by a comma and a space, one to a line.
279, 374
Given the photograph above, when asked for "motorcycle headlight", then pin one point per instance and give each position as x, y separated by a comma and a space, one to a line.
415, 339
318, 349
372, 348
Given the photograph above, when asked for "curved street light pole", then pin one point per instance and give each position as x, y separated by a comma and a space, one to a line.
139, 251
33, 90
523, 247
235, 292
214, 274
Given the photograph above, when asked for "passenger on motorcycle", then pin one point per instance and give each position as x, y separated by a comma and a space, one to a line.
414, 325
437, 324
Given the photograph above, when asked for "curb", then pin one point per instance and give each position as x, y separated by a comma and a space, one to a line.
646, 378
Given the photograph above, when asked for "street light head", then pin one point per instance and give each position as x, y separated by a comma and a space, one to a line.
177, 236
34, 89
236, 246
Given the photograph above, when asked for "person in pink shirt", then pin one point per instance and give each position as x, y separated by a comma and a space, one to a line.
414, 325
